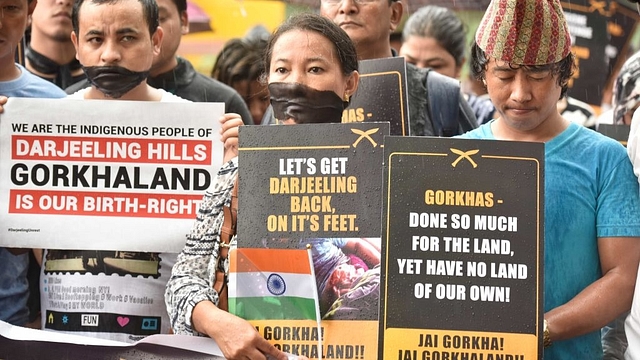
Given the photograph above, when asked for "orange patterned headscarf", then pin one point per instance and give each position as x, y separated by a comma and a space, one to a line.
524, 32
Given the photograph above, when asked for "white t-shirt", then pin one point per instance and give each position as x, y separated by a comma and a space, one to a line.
114, 295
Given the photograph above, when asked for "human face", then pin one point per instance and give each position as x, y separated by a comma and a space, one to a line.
426, 52
368, 24
174, 25
52, 18
308, 58
13, 21
525, 98
255, 95
115, 34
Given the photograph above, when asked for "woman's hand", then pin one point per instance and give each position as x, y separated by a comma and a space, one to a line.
229, 135
235, 336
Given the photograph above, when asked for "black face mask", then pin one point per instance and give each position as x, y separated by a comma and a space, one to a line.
114, 81
305, 105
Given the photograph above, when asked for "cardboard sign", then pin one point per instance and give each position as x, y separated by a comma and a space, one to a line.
317, 186
382, 95
128, 175
310, 181
463, 248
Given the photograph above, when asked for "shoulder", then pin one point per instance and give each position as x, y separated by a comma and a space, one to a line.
29, 85
482, 132
590, 144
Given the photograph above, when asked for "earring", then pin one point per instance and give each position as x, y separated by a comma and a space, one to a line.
484, 82
346, 97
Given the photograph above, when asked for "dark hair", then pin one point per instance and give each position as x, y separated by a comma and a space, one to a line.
149, 9
344, 47
181, 5
240, 59
563, 68
440, 24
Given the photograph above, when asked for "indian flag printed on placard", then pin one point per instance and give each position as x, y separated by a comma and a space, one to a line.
266, 284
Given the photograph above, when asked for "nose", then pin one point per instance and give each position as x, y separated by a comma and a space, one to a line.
110, 53
347, 7
521, 88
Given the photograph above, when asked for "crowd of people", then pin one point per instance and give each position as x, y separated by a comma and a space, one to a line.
521, 55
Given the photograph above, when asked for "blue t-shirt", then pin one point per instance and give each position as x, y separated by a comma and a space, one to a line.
590, 192
14, 288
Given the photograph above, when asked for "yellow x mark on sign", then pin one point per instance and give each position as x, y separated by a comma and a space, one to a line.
365, 135
464, 155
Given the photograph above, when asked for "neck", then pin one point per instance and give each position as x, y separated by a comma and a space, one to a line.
366, 52
142, 92
165, 67
8, 70
545, 131
59, 52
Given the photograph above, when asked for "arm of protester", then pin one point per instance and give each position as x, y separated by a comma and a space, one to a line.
229, 134
363, 250
606, 298
37, 253
192, 276
235, 336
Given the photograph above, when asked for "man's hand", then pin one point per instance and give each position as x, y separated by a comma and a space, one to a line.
3, 100
235, 336
229, 135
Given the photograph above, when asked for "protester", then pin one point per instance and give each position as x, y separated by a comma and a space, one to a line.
591, 250
17, 81
50, 53
308, 60
239, 65
175, 74
116, 42
434, 37
369, 24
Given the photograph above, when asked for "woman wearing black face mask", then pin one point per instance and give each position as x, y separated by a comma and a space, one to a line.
311, 69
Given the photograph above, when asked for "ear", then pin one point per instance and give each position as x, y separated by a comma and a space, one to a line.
184, 22
352, 83
156, 39
32, 6
396, 14
74, 40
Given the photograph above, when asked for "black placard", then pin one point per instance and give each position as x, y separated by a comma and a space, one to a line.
462, 247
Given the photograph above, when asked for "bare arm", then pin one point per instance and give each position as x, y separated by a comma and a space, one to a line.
236, 337
606, 298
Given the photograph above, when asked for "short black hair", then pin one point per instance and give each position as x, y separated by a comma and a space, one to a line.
563, 68
181, 5
149, 9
